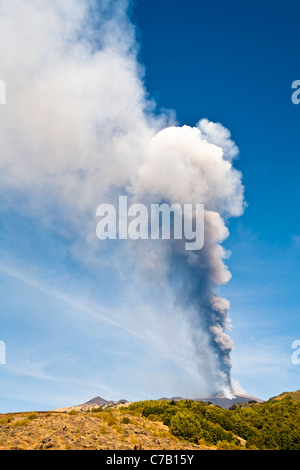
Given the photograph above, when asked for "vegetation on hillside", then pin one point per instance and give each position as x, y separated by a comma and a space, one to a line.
159, 424
272, 425
80, 430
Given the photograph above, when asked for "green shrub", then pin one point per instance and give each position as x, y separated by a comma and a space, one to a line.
186, 426
108, 417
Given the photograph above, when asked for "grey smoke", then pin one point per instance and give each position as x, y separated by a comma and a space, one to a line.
183, 165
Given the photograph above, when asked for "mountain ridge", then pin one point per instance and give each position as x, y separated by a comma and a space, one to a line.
223, 402
100, 402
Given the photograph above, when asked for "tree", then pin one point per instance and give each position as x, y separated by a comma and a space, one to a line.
186, 426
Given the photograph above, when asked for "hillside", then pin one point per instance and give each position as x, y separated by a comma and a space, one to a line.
163, 424
293, 396
97, 402
106, 430
271, 425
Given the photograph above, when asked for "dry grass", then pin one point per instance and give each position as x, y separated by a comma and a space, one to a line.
107, 430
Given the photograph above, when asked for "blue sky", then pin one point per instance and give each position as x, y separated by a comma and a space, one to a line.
71, 333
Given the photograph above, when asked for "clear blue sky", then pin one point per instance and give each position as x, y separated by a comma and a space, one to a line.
230, 62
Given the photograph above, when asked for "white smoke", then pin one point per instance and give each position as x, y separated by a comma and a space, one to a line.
76, 121
181, 165
78, 126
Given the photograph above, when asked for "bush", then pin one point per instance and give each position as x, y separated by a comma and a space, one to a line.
186, 426
103, 430
109, 418
225, 445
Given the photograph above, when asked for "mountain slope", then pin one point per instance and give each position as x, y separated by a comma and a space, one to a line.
293, 396
106, 430
158, 424
97, 402
220, 401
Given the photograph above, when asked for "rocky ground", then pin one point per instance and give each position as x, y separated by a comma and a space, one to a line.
106, 430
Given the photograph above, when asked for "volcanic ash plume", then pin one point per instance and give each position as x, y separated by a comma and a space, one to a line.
194, 165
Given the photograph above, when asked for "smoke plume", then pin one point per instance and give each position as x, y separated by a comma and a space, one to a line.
79, 129
185, 164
